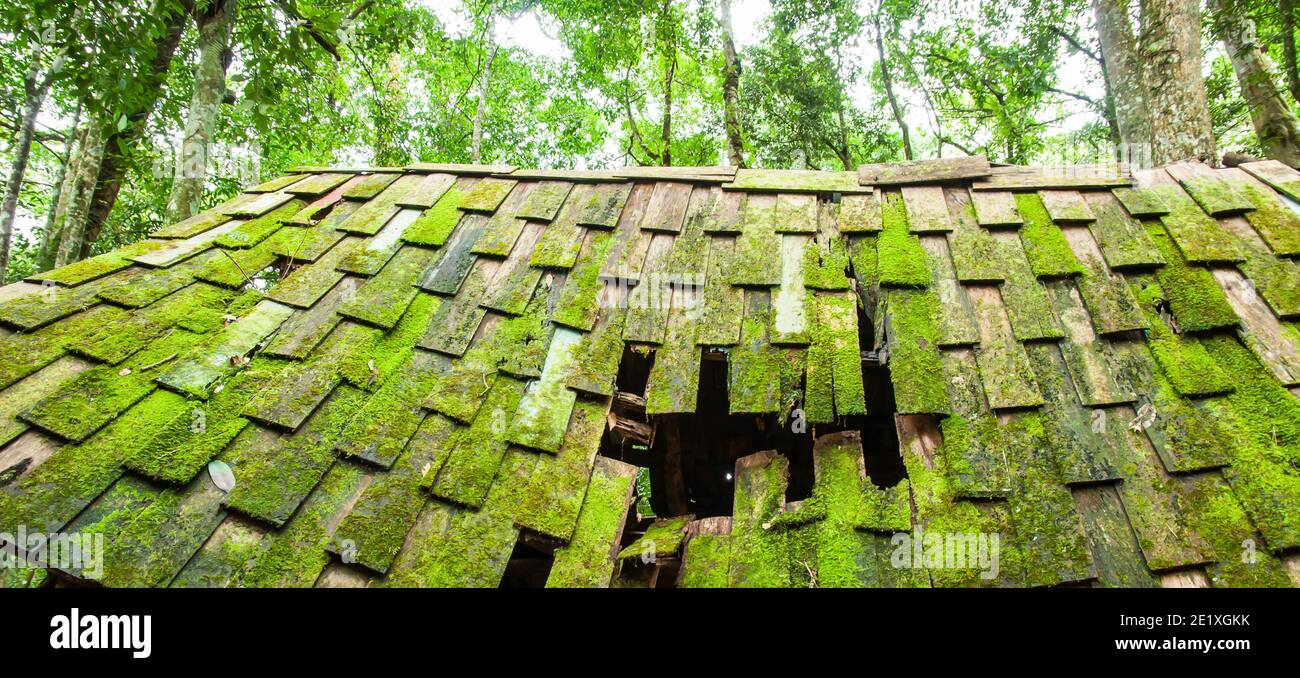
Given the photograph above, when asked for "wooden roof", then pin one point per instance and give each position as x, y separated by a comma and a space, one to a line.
1099, 367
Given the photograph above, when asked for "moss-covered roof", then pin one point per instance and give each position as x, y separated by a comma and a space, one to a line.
1101, 369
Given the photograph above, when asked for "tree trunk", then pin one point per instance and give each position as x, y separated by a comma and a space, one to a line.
1288, 48
1171, 53
62, 183
71, 229
216, 25
888, 80
1123, 70
35, 86
1275, 123
151, 78
667, 155
731, 90
476, 144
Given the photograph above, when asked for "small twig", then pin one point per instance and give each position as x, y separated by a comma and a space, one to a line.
168, 359
247, 277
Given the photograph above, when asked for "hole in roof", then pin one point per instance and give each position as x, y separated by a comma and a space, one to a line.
688, 461
269, 277
530, 562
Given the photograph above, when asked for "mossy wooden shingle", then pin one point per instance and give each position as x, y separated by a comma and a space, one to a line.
1198, 236
860, 213
667, 208
374, 530
674, 381
223, 354
543, 200
275, 472
318, 184
476, 450
588, 559
1085, 354
1048, 252
758, 246
901, 259
383, 299
1110, 303
976, 256
370, 186
796, 213
1124, 241
915, 367
306, 285
927, 209
602, 206
1004, 368
1195, 299
1217, 197
753, 361
1276, 222
996, 209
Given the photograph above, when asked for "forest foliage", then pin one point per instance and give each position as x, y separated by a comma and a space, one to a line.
117, 117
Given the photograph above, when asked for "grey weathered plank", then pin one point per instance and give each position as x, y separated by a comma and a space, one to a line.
924, 171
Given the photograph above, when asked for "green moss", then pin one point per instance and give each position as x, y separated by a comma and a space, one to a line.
436, 223
976, 256
184, 444
276, 473
296, 555
901, 259
376, 527
707, 559
98, 266
1049, 254
197, 308
834, 354
1263, 419
22, 354
825, 264
1241, 560
587, 559
254, 231
866, 263
1276, 223
57, 490
1182, 358
98, 395
915, 368
758, 249
374, 362
383, 300
443, 535
644, 494
1195, 297
1049, 537
580, 299
1026, 302
1199, 238
663, 538
758, 557
476, 450
751, 366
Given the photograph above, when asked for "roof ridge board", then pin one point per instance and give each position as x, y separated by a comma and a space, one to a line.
929, 171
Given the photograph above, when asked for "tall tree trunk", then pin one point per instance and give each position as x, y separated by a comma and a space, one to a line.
888, 80
731, 90
62, 181
1124, 75
667, 155
1288, 48
151, 78
71, 229
476, 143
1171, 53
216, 24
1275, 123
36, 85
